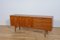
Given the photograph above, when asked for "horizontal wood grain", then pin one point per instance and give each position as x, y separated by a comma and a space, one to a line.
34, 22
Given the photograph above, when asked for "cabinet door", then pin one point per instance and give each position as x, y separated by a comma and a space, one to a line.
22, 21
17, 21
12, 20
28, 22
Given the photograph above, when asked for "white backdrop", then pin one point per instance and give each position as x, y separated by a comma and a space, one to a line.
33, 7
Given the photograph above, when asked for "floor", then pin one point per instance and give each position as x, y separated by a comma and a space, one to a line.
7, 33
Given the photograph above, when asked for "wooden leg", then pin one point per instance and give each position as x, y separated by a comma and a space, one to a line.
15, 28
45, 33
19, 27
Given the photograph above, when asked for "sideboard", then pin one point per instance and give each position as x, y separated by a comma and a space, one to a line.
32, 21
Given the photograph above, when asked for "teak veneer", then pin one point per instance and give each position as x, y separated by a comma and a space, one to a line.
32, 21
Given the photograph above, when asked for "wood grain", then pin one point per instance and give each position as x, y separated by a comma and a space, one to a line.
43, 22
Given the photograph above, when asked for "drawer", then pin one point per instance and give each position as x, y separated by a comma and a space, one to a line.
47, 26
37, 20
46, 19
43, 26
40, 20
36, 25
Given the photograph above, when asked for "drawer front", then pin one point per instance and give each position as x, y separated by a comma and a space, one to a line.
47, 26
37, 26
42, 20
46, 20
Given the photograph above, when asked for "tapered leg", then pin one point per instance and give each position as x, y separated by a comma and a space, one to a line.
15, 28
19, 27
45, 33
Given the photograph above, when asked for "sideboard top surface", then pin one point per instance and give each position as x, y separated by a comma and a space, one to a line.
32, 15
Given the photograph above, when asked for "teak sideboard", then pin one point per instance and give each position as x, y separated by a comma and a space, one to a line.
32, 21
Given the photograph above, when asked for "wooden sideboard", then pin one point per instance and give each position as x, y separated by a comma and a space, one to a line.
32, 21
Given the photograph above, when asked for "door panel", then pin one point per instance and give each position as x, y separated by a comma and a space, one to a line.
22, 21
12, 20
28, 22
